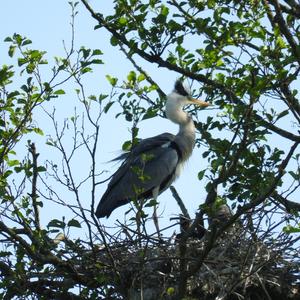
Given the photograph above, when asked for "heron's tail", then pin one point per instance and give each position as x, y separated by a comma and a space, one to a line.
103, 210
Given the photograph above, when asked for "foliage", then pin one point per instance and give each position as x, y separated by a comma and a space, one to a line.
244, 57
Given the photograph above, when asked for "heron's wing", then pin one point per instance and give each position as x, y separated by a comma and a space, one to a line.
146, 145
139, 175
152, 142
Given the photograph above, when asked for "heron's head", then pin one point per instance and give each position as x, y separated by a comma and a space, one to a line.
181, 95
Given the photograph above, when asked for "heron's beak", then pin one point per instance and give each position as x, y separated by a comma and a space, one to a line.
199, 102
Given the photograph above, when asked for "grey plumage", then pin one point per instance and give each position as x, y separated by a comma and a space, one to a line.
154, 163
143, 169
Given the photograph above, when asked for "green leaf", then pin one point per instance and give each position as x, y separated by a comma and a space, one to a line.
97, 61
123, 21
211, 3
112, 80
5, 253
74, 223
26, 42
280, 42
291, 229
174, 26
102, 97
57, 224
85, 52
127, 146
8, 39
22, 61
97, 52
11, 50
18, 169
296, 176
59, 92
18, 39
12, 163
108, 106
131, 77
170, 291
5, 74
151, 203
141, 77
7, 173
114, 41
41, 169
150, 113
86, 70
164, 10
282, 114
201, 174
38, 131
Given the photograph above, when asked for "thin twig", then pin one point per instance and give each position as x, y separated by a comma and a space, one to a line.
33, 194
179, 202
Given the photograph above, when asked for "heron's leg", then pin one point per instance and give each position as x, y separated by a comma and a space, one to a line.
154, 216
155, 220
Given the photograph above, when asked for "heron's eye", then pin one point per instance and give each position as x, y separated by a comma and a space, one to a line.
179, 88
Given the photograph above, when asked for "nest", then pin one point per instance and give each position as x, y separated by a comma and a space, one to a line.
237, 266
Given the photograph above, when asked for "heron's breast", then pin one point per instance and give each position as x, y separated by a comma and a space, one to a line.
178, 170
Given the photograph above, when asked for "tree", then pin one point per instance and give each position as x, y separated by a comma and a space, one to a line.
243, 57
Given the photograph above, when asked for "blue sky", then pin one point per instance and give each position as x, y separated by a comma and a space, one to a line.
47, 24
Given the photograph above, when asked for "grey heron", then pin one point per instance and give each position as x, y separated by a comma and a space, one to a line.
154, 163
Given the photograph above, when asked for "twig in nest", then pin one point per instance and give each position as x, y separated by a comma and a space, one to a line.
179, 202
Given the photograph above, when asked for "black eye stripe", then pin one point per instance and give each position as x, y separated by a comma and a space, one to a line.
180, 89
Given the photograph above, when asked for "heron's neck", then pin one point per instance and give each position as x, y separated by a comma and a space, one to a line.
188, 127
185, 139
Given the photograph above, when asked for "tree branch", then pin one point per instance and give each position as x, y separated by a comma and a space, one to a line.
196, 76
289, 205
267, 193
33, 194
278, 19
180, 202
